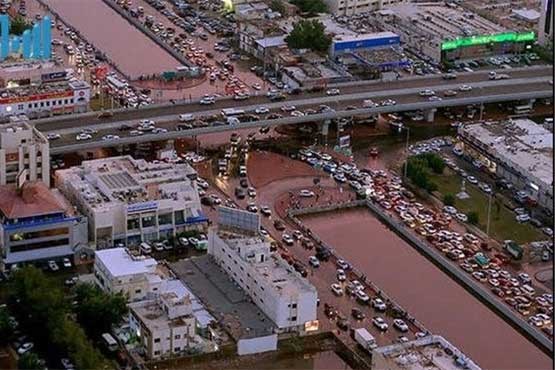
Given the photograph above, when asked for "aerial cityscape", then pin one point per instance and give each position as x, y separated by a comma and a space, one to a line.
276, 184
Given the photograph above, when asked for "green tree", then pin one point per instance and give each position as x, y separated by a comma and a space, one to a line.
44, 312
6, 326
308, 34
98, 311
473, 217
18, 25
30, 361
311, 7
277, 6
449, 199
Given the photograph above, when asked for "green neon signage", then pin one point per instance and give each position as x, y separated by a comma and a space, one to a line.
488, 39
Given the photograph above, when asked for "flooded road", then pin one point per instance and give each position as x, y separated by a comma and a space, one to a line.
132, 51
426, 292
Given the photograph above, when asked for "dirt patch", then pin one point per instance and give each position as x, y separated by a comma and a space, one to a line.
265, 167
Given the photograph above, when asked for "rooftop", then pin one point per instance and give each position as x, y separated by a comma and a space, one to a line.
441, 20
273, 270
120, 263
521, 143
34, 199
135, 182
428, 353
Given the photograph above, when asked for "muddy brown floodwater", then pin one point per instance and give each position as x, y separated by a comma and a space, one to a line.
129, 48
426, 292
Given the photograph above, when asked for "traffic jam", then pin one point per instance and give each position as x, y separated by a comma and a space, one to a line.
472, 254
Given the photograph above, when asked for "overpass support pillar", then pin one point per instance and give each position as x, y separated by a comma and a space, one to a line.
430, 114
531, 102
324, 130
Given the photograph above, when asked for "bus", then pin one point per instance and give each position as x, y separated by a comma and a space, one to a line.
110, 342
230, 112
522, 109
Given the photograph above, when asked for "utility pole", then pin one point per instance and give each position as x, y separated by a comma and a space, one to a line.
407, 152
489, 213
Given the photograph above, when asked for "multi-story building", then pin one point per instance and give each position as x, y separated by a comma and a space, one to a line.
41, 89
165, 326
430, 352
23, 149
128, 201
445, 32
353, 7
287, 298
38, 224
545, 26
118, 271
519, 150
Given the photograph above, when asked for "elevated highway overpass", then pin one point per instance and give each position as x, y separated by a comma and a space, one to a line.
407, 100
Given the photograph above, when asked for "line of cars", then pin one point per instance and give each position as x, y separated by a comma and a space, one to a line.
468, 251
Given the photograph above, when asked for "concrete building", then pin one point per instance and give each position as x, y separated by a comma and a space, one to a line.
55, 93
545, 25
352, 7
288, 299
128, 201
118, 271
23, 149
431, 352
446, 32
37, 225
165, 326
518, 150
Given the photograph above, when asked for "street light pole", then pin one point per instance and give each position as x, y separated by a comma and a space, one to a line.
489, 213
407, 152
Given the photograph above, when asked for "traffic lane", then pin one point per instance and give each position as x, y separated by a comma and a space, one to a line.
151, 111
405, 99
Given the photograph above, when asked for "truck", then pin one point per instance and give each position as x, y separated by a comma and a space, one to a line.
513, 249
365, 339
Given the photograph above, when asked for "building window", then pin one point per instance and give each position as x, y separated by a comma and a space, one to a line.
47, 103
42, 104
71, 101
165, 219
29, 106
20, 106
178, 336
156, 353
156, 340
177, 349
137, 291
293, 318
149, 221
54, 102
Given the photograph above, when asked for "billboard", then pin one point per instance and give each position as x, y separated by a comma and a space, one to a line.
239, 219
344, 141
54, 76
488, 39
143, 206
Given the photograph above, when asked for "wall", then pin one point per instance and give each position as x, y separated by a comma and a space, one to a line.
257, 345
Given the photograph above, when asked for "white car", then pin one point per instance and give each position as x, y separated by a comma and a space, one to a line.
465, 88
427, 92
262, 110
400, 325
251, 192
287, 239
378, 304
523, 218
24, 348
266, 211
336, 289
52, 136
288, 108
306, 193
380, 323
450, 210
83, 136
472, 180
53, 266
362, 297
333, 92
461, 217
313, 261
341, 276
252, 208
110, 137
342, 264
66, 263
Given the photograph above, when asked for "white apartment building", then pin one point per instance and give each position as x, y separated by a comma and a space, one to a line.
165, 326
118, 271
288, 299
545, 25
23, 148
352, 7
128, 200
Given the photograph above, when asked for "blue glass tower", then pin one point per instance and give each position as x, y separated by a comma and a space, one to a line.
26, 44
35, 35
46, 38
4, 36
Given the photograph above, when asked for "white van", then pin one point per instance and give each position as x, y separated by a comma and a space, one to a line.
145, 248
528, 290
186, 117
